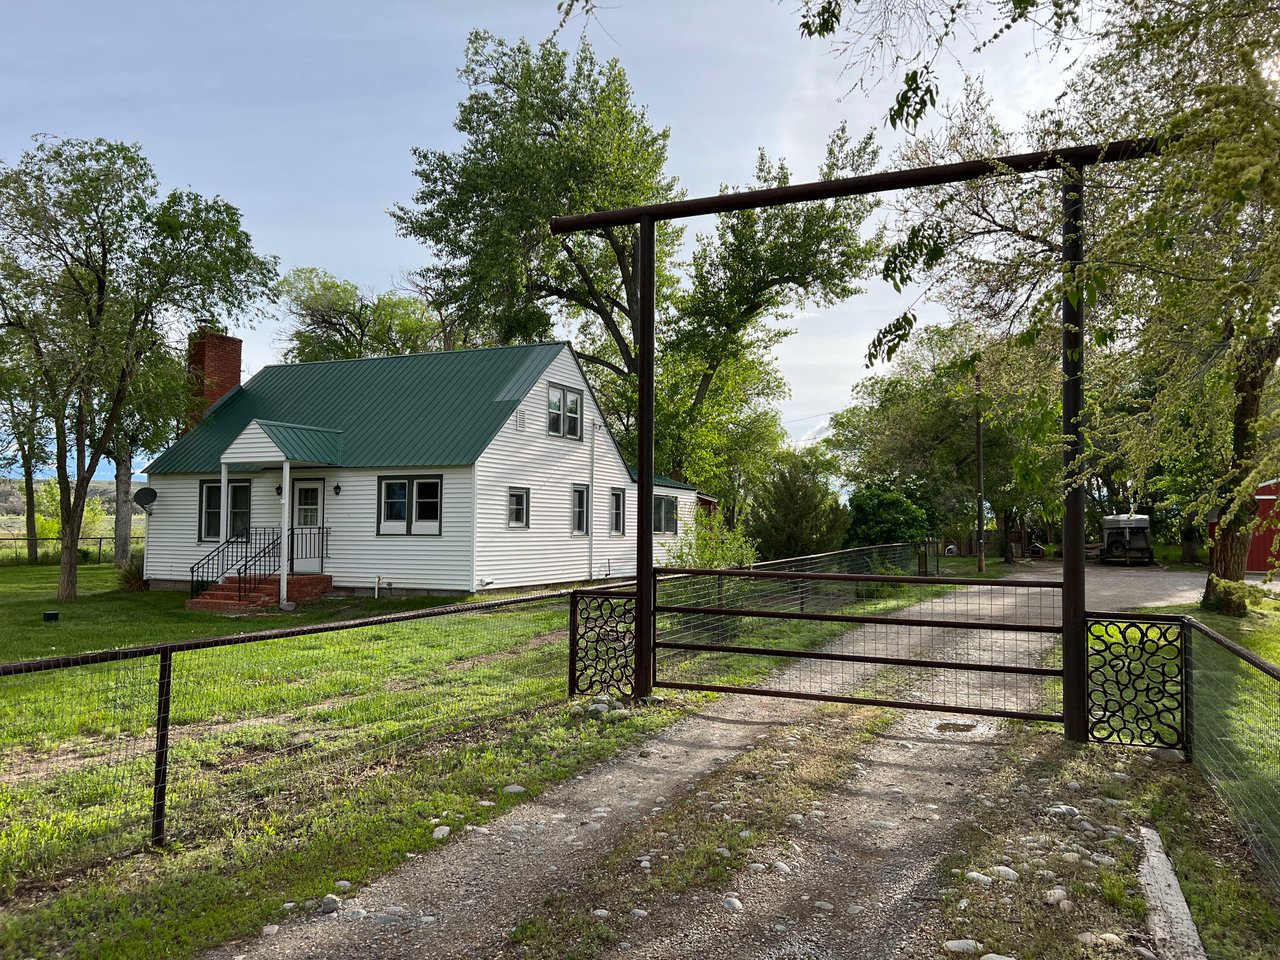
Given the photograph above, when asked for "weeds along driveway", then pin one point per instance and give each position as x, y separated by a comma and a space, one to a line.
830, 840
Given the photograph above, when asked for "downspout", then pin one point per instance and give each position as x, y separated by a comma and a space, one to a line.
591, 504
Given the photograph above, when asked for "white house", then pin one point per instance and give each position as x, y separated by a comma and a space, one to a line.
453, 472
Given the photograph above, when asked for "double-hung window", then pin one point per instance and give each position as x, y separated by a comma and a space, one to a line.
564, 412
617, 511
665, 518
410, 505
518, 507
581, 509
238, 497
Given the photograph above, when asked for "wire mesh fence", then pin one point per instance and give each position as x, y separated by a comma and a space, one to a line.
1233, 730
855, 623
257, 726
15, 551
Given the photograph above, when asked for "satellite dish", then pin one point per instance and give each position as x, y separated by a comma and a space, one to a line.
144, 498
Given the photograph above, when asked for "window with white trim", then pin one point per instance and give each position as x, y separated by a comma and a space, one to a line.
518, 507
426, 506
238, 495
564, 412
410, 505
665, 516
617, 511
581, 509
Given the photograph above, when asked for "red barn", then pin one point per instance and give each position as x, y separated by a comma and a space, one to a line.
1264, 549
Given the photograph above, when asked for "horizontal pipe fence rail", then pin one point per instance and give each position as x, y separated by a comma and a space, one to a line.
102, 753
955, 644
849, 626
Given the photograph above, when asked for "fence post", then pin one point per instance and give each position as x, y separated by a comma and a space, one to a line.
573, 644
1188, 688
99, 551
1075, 640
161, 782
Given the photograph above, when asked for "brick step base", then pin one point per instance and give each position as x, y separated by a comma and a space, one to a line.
223, 597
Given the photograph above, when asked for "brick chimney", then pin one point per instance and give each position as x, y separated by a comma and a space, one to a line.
213, 366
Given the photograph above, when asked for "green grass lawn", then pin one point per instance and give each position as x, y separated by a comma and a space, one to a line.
1259, 630
293, 762
103, 618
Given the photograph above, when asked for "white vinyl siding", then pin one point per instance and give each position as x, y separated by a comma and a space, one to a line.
252, 446
356, 553
548, 465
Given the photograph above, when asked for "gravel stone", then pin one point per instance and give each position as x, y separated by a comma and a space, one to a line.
439, 833
732, 904
965, 945
271, 929
330, 903
639, 914
601, 913
512, 788
343, 885
825, 905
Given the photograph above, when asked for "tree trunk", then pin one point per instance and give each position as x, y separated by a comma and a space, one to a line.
124, 509
67, 572
1231, 545
1007, 522
29, 492
1227, 563
1190, 543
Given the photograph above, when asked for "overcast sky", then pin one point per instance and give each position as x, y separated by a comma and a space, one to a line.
302, 113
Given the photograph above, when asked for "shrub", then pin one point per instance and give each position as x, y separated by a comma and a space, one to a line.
129, 578
710, 543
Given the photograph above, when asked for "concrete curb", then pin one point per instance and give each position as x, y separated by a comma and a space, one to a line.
1168, 917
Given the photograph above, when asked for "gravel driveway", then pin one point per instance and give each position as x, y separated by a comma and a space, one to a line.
874, 858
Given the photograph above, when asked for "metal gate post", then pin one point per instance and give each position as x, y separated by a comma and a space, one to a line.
646, 256
1075, 651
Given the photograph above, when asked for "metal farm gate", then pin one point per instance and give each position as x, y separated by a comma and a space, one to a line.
1011, 647
932, 643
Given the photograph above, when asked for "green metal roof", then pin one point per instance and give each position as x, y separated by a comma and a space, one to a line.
305, 444
426, 409
660, 481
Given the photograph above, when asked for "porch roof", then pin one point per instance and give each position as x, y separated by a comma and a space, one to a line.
296, 442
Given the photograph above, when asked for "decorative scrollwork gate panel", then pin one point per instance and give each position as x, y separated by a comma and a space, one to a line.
1137, 681
602, 640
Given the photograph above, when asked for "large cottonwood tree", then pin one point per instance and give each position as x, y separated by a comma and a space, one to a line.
99, 268
548, 133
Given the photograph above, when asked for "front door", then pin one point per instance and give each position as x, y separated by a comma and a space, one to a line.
308, 524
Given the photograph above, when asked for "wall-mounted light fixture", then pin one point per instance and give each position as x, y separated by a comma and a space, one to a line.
337, 489
279, 489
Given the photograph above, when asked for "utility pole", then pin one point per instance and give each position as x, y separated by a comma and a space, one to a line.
982, 497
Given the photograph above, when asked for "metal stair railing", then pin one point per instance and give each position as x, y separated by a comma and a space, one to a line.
258, 568
214, 565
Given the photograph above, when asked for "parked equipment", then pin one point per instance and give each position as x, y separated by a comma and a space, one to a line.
1127, 537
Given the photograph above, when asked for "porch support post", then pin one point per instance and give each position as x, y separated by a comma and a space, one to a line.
286, 544
647, 268
1075, 650
225, 497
